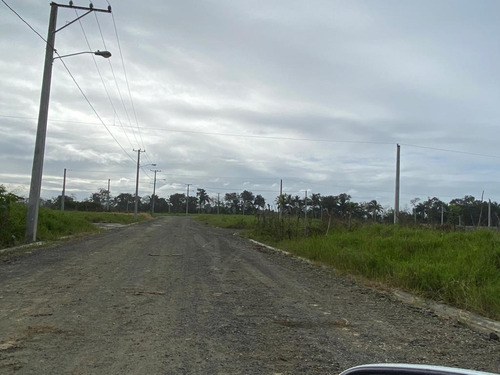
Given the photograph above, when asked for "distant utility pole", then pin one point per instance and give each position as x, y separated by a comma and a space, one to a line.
109, 182
396, 199
43, 114
305, 214
218, 203
489, 213
481, 210
136, 203
63, 197
154, 192
280, 209
187, 199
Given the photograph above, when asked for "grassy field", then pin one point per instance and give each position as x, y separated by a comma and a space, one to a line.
458, 268
53, 224
228, 221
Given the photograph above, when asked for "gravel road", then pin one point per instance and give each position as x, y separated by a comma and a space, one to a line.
173, 296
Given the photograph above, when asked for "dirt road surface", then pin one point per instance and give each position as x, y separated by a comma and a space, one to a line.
173, 296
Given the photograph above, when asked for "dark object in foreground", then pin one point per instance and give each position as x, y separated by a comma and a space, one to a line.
406, 369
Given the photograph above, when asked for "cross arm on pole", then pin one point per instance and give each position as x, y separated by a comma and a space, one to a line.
89, 10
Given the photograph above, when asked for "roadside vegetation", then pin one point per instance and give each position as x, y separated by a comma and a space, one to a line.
52, 224
460, 268
443, 262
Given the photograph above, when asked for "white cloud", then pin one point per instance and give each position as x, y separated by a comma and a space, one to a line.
237, 95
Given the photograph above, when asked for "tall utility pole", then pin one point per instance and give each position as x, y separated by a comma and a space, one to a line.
63, 196
396, 199
154, 192
136, 203
187, 199
41, 133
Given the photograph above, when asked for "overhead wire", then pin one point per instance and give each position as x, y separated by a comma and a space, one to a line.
100, 75
324, 140
71, 75
102, 80
119, 93
128, 84
93, 108
22, 19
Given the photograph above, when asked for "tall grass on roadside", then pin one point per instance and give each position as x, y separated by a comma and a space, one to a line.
460, 268
228, 221
53, 224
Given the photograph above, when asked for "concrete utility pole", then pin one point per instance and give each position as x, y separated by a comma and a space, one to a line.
154, 192
41, 133
109, 182
280, 214
489, 213
187, 199
305, 214
63, 196
136, 202
396, 199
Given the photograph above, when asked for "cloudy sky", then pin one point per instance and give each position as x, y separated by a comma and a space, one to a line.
233, 95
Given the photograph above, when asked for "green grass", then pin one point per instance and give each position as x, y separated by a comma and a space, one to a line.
459, 268
53, 224
228, 221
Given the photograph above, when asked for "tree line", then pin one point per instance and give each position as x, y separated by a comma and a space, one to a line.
467, 211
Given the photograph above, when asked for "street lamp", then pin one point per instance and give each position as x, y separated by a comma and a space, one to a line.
36, 173
154, 192
105, 54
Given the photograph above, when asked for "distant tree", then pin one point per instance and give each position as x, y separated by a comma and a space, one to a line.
97, 201
161, 205
430, 210
259, 202
330, 204
468, 209
373, 207
123, 202
343, 206
193, 205
232, 202
316, 204
247, 200
178, 203
203, 198
145, 203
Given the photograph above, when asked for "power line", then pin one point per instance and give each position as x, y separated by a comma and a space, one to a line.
99, 71
69, 72
278, 138
22, 19
116, 83
127, 83
93, 108
447, 150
